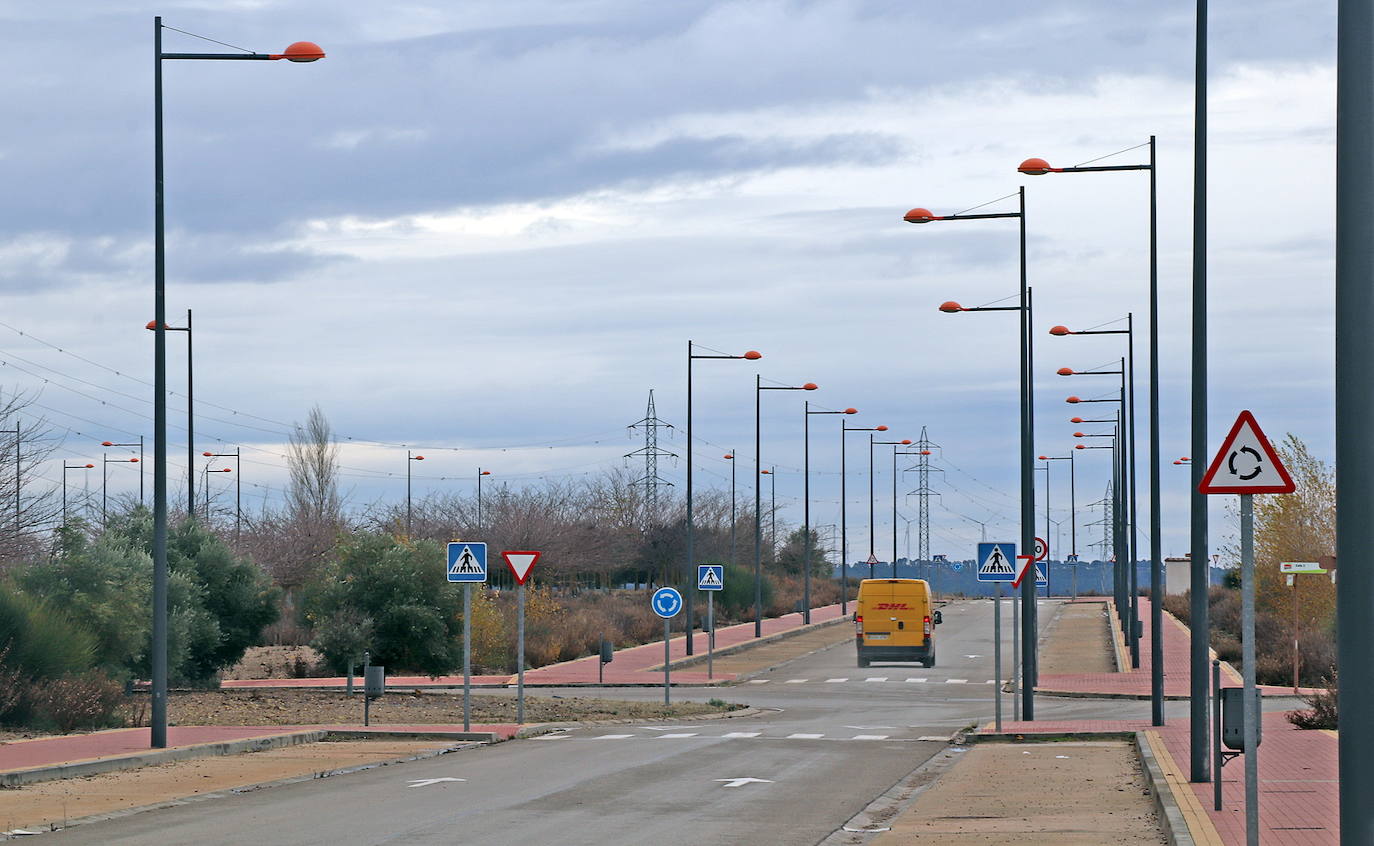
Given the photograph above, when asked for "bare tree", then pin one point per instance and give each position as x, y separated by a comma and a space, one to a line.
313, 459
28, 505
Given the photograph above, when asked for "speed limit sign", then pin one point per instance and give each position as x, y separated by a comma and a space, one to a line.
1042, 549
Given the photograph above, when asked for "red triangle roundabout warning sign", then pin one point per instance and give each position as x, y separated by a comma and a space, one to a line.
521, 562
1246, 463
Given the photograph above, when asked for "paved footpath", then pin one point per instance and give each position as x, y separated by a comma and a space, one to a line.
632, 666
1297, 768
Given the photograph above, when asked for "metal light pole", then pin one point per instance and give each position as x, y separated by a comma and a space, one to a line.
690, 588
1354, 404
730, 457
1073, 509
480, 474
872, 528
759, 388
105, 463
19, 476
141, 462
190, 412
65, 468
772, 475
301, 51
237, 455
844, 523
806, 504
409, 459
205, 483
1200, 583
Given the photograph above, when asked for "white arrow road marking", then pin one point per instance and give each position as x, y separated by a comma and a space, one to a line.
740, 782
426, 782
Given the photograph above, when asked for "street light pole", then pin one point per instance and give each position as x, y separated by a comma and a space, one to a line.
759, 388
480, 474
237, 455
140, 461
409, 458
730, 457
871, 498
301, 51
65, 468
806, 506
689, 585
844, 523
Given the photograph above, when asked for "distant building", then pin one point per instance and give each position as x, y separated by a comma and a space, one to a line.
1178, 574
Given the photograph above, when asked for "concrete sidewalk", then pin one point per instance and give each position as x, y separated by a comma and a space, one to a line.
633, 665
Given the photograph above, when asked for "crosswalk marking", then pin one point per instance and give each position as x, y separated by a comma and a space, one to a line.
869, 737
797, 681
918, 680
805, 736
956, 681
876, 679
835, 681
612, 736
677, 735
742, 734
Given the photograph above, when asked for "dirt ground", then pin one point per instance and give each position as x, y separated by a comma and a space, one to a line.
771, 654
51, 803
320, 707
1053, 794
1080, 642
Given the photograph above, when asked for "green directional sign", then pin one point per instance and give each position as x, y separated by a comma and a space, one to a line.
1296, 567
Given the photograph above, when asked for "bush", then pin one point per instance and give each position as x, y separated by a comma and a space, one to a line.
87, 701
736, 600
1324, 712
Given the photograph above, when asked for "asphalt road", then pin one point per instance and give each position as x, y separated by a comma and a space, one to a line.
833, 738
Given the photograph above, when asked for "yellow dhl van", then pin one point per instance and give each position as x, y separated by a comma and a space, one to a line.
894, 620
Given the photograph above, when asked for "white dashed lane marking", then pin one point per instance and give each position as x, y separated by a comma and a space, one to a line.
677, 735
869, 737
835, 681
805, 736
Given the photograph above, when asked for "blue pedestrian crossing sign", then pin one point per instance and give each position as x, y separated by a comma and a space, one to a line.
996, 562
710, 577
666, 602
467, 562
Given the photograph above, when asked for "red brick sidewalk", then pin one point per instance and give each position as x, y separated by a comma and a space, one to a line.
632, 665
50, 751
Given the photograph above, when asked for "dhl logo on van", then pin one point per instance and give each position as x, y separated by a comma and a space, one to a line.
891, 606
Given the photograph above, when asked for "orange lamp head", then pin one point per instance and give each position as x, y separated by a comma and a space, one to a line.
753, 355
809, 386
1073, 400
152, 324
925, 452
107, 443
880, 428
851, 411
1075, 419
1044, 458
919, 215
486, 472
1035, 167
302, 51
1080, 446
906, 441
133, 461
729, 456
207, 454
1078, 434
951, 307
1065, 371
1060, 330
89, 466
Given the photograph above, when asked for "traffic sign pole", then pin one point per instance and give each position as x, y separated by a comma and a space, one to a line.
1247, 634
520, 654
667, 662
467, 657
711, 635
997, 653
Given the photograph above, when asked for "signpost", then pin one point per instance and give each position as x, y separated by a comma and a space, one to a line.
1247, 465
994, 565
520, 562
666, 602
1291, 569
467, 563
710, 578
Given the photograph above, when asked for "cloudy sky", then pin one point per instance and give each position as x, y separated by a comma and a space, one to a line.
488, 229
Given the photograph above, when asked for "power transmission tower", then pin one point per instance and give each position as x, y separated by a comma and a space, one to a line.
1105, 522
923, 450
651, 454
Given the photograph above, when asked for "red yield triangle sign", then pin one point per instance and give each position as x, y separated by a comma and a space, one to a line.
1246, 463
1023, 569
521, 562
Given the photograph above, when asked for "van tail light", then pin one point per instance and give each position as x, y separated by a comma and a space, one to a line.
858, 625
925, 624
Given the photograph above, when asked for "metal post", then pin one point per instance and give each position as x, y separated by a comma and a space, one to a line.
691, 560
806, 512
105, 485
1029, 623
711, 635
844, 529
190, 425
1294, 585
520, 654
1354, 448
894, 512
1133, 576
733, 519
1073, 520
141, 462
408, 460
238, 494
1200, 582
1016, 707
367, 698
667, 663
872, 524
1247, 650
1156, 497
467, 657
158, 705
758, 511
773, 514
997, 653
1047, 533
1216, 734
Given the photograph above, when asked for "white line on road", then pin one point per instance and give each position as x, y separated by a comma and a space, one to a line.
797, 681
835, 681
742, 734
956, 681
918, 680
426, 782
677, 735
869, 737
739, 782
612, 736
805, 736
876, 679
758, 681
553, 737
